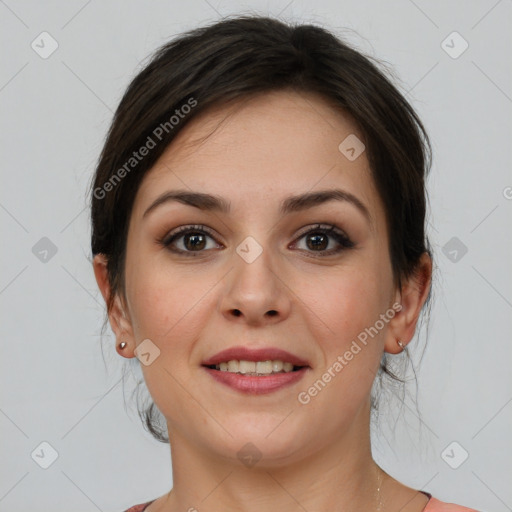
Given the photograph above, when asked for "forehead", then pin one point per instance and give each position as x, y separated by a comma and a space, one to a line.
270, 146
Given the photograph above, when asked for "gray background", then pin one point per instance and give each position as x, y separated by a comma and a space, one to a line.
56, 386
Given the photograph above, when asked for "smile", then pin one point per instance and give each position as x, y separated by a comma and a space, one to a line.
256, 371
255, 368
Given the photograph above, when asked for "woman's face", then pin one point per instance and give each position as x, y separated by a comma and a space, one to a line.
251, 276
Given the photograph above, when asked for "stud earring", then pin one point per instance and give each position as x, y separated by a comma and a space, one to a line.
122, 345
401, 345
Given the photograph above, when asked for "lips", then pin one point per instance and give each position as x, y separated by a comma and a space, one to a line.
263, 354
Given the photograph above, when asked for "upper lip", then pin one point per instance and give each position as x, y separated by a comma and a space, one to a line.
260, 354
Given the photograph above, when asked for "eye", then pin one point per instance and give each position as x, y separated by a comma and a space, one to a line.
189, 239
325, 239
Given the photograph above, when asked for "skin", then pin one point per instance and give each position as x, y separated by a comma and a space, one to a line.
315, 456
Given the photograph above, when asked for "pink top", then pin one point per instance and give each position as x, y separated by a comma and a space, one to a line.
433, 505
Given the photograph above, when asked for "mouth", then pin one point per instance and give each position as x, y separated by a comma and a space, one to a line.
263, 361
255, 368
256, 371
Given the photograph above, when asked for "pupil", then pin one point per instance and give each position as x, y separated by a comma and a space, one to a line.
318, 241
194, 241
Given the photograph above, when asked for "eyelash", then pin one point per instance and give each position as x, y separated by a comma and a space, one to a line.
326, 229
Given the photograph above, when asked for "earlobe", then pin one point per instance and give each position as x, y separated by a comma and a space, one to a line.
412, 297
118, 319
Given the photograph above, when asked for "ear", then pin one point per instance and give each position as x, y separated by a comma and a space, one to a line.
118, 316
413, 295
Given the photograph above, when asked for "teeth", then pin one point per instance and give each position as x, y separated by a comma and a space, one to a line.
246, 366
264, 367
277, 366
255, 368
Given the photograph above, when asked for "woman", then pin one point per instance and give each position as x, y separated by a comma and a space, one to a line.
258, 216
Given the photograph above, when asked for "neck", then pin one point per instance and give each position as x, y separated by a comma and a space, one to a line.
339, 475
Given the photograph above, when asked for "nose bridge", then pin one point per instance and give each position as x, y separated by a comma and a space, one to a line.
255, 290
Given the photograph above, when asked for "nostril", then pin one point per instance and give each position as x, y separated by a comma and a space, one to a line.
272, 312
237, 312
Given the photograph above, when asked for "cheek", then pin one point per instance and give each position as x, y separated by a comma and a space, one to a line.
153, 306
169, 309
163, 305
346, 304
348, 307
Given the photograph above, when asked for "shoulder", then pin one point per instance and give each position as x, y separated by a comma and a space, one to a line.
139, 508
434, 505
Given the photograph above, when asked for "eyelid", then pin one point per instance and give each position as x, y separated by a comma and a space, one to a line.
327, 228
321, 226
330, 230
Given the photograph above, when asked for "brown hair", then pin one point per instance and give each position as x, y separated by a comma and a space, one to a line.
244, 56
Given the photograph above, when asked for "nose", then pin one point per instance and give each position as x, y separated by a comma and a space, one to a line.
256, 293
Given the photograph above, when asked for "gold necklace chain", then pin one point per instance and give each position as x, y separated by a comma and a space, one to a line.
377, 494
379, 486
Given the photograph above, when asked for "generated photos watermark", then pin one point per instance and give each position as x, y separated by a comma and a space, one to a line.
151, 142
304, 397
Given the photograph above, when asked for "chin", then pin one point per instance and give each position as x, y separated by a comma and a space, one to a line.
262, 444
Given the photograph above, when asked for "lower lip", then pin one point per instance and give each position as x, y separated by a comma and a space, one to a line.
257, 385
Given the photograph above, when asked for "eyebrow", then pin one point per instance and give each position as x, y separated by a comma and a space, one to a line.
296, 203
